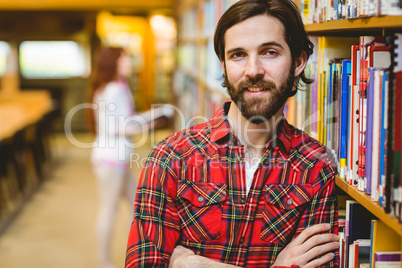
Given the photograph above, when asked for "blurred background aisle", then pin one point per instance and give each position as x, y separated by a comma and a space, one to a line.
48, 192
56, 227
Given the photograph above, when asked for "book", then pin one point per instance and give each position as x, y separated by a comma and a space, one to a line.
364, 43
361, 252
390, 7
394, 146
328, 110
383, 239
351, 257
388, 264
378, 75
353, 141
329, 49
387, 259
387, 256
369, 132
346, 71
379, 56
347, 232
383, 140
397, 148
359, 226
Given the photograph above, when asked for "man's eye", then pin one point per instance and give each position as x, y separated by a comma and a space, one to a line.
237, 55
271, 53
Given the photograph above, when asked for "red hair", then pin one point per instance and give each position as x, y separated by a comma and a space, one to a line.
104, 71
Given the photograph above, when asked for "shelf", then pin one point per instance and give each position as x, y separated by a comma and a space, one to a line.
373, 207
355, 25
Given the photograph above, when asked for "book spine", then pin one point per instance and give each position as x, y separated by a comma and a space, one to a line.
369, 133
346, 70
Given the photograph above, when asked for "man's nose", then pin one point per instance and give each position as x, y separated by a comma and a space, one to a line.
254, 68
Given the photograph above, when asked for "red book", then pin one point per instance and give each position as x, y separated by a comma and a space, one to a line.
365, 42
353, 163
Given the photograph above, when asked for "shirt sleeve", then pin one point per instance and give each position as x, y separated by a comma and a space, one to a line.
323, 207
156, 226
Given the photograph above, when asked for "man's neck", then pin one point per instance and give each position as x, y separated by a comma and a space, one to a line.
254, 137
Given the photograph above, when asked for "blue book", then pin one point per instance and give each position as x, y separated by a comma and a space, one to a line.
346, 72
369, 130
349, 138
383, 138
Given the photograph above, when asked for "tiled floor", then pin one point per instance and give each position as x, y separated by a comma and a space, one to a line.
56, 227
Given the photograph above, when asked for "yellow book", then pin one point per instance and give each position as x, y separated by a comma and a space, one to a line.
383, 238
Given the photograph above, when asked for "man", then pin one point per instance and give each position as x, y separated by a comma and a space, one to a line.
246, 188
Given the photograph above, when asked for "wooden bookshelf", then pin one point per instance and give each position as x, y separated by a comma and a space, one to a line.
382, 25
373, 207
373, 24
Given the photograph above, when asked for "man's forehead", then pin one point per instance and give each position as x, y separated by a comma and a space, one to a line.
256, 30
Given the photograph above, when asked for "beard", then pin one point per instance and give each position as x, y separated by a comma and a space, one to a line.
258, 110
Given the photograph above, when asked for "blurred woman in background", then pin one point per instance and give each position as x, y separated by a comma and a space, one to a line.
112, 105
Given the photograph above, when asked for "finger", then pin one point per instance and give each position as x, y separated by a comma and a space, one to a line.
320, 261
310, 231
180, 250
319, 239
322, 249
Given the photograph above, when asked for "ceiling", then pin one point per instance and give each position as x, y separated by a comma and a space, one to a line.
122, 6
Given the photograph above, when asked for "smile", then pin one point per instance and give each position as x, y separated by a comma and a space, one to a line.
255, 89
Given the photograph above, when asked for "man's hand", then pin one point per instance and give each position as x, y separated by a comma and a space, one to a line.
185, 258
178, 258
304, 249
301, 251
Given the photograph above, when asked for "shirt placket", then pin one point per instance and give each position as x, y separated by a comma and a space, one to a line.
247, 205
259, 179
235, 249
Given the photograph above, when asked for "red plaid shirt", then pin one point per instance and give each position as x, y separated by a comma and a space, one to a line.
193, 193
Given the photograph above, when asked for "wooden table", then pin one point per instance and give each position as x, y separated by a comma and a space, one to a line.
22, 109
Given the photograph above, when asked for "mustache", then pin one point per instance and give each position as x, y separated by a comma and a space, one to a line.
256, 82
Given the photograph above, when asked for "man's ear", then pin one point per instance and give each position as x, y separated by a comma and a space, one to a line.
300, 63
223, 66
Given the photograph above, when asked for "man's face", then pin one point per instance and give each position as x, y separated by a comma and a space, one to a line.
258, 67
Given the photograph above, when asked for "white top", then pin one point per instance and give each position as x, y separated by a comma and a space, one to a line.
250, 170
113, 108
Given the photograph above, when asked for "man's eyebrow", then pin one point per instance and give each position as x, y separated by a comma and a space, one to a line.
267, 44
234, 50
273, 43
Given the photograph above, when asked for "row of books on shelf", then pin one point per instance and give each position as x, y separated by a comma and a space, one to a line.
355, 109
366, 241
315, 11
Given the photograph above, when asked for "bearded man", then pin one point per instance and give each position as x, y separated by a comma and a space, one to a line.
245, 188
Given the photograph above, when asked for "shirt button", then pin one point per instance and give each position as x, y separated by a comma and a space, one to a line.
200, 198
289, 202
243, 200
241, 240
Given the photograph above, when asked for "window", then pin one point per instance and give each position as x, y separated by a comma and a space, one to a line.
53, 59
4, 50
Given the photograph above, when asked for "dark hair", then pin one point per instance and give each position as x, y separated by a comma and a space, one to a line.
283, 10
104, 70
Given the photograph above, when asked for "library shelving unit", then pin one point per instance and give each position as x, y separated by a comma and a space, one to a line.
198, 73
198, 69
382, 25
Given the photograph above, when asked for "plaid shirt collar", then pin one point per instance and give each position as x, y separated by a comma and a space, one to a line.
222, 132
